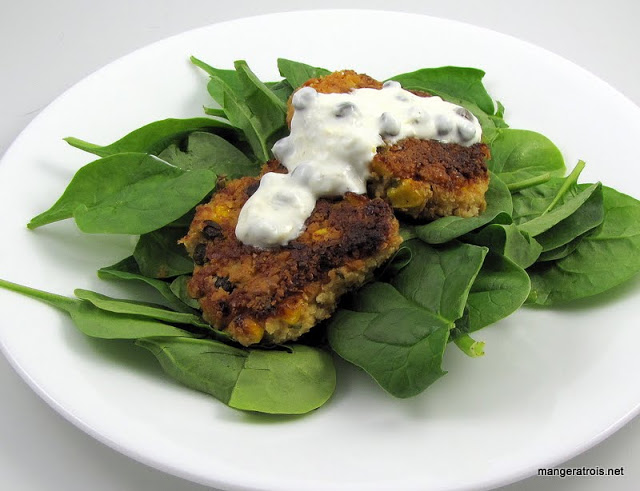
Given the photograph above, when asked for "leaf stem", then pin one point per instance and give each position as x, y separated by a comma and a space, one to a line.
570, 180
527, 183
470, 346
58, 301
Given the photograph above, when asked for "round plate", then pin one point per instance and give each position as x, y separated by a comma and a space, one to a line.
552, 382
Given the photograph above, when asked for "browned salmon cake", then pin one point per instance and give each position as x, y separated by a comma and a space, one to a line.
276, 295
424, 179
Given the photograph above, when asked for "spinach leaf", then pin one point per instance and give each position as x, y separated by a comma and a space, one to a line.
531, 202
128, 193
241, 115
401, 348
398, 332
211, 152
249, 105
180, 289
141, 309
560, 252
378, 297
603, 259
298, 73
282, 90
205, 365
159, 255
97, 322
585, 218
464, 83
536, 201
295, 381
276, 382
499, 209
500, 288
508, 241
519, 155
152, 138
544, 222
569, 184
229, 77
257, 95
439, 279
128, 270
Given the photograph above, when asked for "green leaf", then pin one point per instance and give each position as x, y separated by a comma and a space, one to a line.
97, 322
439, 279
603, 259
250, 105
282, 90
276, 382
519, 155
379, 297
401, 349
284, 382
398, 332
128, 270
159, 255
500, 288
542, 223
562, 251
298, 73
462, 82
228, 77
128, 193
141, 309
499, 209
243, 118
211, 152
585, 218
508, 241
179, 287
152, 138
568, 185
202, 364
257, 95
534, 202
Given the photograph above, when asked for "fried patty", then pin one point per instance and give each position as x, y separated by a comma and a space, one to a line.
424, 179
276, 295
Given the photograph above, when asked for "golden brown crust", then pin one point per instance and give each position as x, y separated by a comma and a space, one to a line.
342, 82
277, 295
427, 179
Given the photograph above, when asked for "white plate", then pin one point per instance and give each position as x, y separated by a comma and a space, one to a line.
552, 384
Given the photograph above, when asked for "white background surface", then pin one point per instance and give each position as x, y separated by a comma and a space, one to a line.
46, 48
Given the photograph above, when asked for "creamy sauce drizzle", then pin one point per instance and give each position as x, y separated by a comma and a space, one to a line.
333, 139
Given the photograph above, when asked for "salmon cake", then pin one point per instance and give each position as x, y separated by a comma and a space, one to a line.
275, 295
424, 179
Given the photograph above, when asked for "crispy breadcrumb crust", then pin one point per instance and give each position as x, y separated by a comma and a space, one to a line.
276, 295
427, 179
424, 179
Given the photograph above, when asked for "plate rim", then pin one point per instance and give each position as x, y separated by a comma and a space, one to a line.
68, 415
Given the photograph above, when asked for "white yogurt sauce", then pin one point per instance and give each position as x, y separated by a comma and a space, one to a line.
333, 139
